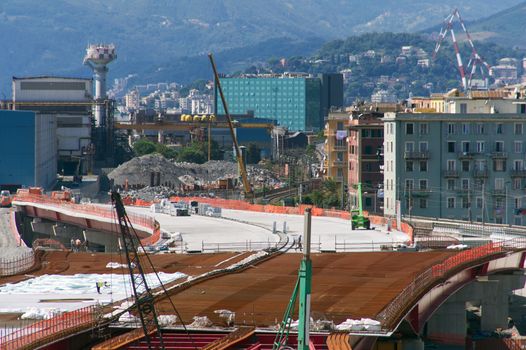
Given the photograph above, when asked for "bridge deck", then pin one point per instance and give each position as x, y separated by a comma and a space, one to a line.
344, 286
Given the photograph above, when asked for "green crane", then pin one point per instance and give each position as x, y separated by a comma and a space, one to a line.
303, 286
358, 220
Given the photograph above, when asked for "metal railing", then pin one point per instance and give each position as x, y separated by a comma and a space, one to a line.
247, 246
17, 265
395, 309
416, 154
44, 331
372, 246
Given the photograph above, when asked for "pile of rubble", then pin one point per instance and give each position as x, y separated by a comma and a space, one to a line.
155, 170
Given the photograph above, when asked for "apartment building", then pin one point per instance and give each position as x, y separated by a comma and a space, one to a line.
458, 166
336, 155
365, 141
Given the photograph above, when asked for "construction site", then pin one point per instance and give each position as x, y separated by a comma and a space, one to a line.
153, 253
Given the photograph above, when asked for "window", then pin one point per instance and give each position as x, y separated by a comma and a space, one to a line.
499, 128
352, 149
517, 219
499, 146
408, 165
451, 128
518, 165
480, 129
451, 184
422, 203
451, 146
465, 184
339, 173
465, 202
518, 128
499, 183
465, 128
465, 165
423, 184
423, 165
408, 184
451, 202
339, 126
423, 146
365, 133
480, 146
424, 128
498, 220
516, 183
480, 165
368, 149
479, 202
499, 165
409, 129
339, 156
451, 165
465, 146
517, 202
409, 146
517, 146
463, 108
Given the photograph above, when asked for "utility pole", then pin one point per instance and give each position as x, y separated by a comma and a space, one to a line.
305, 276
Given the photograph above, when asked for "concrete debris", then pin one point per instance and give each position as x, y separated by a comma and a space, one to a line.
364, 324
200, 322
168, 177
166, 320
227, 315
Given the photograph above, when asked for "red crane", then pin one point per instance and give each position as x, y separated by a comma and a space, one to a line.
474, 61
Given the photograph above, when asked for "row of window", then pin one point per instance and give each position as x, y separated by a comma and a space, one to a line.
499, 165
480, 146
460, 128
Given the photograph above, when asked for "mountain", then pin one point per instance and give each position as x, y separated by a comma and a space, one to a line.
49, 37
505, 28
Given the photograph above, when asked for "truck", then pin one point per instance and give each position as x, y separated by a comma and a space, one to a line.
5, 199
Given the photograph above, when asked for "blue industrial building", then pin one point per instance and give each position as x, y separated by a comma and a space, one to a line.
29, 149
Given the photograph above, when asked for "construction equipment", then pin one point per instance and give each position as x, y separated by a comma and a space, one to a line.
244, 178
144, 299
303, 286
358, 220
5, 199
475, 59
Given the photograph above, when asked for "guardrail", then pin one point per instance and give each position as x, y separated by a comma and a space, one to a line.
372, 246
390, 314
45, 331
207, 247
89, 209
17, 265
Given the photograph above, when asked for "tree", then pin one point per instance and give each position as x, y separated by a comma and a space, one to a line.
167, 152
143, 146
191, 155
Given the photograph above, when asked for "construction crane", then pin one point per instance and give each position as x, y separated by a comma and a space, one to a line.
474, 61
239, 156
144, 299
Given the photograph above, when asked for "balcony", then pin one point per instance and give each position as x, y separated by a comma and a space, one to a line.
416, 155
463, 191
466, 155
518, 173
499, 155
338, 162
339, 148
450, 173
499, 192
480, 173
418, 193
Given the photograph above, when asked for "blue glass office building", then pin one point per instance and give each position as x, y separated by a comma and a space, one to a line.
296, 102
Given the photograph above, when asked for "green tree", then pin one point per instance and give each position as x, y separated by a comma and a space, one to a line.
166, 151
191, 155
143, 146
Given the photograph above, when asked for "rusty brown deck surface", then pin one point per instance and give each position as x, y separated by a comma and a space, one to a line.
344, 286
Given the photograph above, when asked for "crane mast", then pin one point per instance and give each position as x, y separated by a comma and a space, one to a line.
475, 60
144, 299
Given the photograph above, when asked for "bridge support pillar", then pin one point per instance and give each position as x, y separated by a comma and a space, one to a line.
42, 227
495, 299
109, 241
412, 344
448, 324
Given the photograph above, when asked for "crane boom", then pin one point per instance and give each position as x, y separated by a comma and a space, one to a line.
142, 293
244, 178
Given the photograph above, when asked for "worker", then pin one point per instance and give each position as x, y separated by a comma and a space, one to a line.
78, 244
99, 285
299, 246
72, 242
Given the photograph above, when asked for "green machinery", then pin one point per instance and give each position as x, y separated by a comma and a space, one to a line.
358, 220
303, 286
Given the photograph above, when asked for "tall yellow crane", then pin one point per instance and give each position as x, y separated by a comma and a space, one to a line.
239, 156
